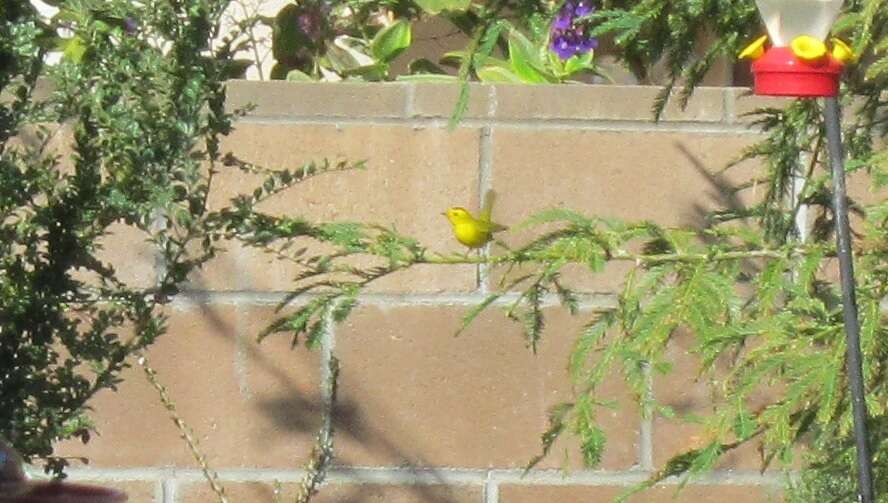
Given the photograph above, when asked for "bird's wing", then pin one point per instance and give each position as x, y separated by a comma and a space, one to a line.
487, 226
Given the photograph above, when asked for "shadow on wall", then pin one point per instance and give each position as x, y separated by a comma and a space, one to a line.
722, 193
294, 413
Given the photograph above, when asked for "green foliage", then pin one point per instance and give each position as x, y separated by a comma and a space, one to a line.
662, 30
336, 40
828, 478
306, 56
142, 102
69, 322
360, 39
529, 61
391, 41
784, 334
438, 6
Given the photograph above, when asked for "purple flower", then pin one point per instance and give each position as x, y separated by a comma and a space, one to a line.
312, 21
309, 25
570, 43
568, 37
562, 21
583, 8
130, 25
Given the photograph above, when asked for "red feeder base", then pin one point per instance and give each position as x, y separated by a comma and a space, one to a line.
780, 73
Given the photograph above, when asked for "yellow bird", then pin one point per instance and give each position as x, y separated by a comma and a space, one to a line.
470, 231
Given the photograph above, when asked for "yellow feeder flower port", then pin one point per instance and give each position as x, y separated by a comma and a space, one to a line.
808, 48
754, 50
841, 51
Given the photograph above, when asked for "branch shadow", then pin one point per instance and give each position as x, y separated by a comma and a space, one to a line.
722, 191
722, 194
292, 412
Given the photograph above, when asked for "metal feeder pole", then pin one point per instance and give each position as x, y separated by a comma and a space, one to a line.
854, 359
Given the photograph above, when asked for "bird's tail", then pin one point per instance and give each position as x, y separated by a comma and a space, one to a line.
487, 207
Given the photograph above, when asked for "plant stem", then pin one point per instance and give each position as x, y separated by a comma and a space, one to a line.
322, 453
622, 255
186, 433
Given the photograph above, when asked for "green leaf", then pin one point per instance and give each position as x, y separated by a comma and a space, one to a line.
557, 422
744, 425
578, 63
316, 332
666, 411
74, 49
424, 66
438, 6
279, 71
237, 68
769, 287
452, 58
592, 438
391, 41
557, 215
473, 313
342, 60
427, 77
567, 298
525, 61
375, 72
592, 443
298, 76
706, 458
663, 367
344, 307
588, 342
491, 37
497, 75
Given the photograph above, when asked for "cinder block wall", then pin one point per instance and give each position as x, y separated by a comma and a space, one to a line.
423, 417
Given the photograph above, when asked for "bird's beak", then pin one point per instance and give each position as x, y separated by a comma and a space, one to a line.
443, 213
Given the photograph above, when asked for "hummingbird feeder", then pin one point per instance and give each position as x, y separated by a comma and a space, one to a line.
798, 62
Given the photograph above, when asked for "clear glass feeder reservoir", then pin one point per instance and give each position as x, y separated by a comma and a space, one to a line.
788, 19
